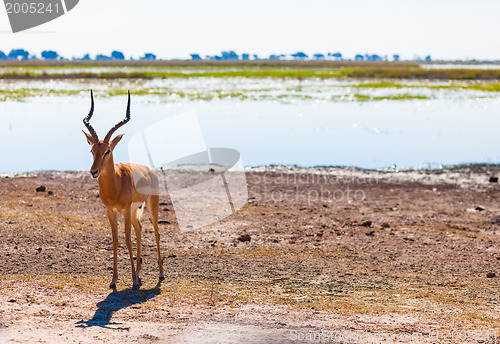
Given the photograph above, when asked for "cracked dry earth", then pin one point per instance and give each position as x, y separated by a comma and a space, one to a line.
351, 253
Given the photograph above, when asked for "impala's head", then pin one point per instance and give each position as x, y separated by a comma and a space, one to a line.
102, 150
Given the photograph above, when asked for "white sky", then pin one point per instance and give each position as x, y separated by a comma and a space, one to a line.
444, 29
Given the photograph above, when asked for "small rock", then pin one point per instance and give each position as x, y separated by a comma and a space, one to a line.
366, 224
493, 179
164, 222
480, 208
244, 237
50, 193
41, 188
172, 255
11, 300
385, 225
38, 249
372, 233
490, 275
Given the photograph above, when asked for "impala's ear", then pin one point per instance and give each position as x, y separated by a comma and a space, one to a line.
90, 139
115, 141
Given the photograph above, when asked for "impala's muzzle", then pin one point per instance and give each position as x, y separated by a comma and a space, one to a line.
94, 172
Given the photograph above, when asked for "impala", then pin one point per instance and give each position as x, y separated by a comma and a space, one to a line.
124, 188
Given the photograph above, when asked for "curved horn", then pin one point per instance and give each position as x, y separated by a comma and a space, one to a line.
115, 128
86, 120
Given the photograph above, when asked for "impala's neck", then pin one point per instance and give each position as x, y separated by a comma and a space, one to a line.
108, 180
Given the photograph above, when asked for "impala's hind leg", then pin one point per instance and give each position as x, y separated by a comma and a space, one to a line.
153, 204
136, 217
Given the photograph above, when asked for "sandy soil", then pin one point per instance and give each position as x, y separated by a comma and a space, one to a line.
331, 249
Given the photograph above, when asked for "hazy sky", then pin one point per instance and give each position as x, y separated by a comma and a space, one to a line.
444, 29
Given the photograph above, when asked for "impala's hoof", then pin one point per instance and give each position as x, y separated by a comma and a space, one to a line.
162, 278
137, 285
112, 286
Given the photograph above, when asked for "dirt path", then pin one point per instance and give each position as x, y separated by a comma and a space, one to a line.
332, 250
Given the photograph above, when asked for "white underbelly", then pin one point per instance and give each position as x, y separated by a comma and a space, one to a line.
136, 205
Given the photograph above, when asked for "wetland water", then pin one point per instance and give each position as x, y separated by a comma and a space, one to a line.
44, 133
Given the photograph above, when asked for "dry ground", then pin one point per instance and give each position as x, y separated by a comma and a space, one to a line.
379, 252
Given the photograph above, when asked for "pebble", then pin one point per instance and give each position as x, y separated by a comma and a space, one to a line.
244, 237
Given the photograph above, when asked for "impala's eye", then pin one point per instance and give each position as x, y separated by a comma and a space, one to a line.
107, 152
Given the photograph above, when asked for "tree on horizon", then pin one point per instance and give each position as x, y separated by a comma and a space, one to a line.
49, 55
299, 56
148, 56
18, 54
196, 57
117, 55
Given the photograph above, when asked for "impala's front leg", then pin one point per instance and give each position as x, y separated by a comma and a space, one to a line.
127, 214
113, 220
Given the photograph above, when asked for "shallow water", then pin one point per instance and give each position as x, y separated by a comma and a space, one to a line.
286, 90
460, 66
45, 133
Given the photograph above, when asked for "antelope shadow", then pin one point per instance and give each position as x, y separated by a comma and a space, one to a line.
114, 302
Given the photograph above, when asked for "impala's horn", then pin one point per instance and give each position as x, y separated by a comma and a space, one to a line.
115, 128
86, 120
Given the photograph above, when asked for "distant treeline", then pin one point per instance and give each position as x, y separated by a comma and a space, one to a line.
229, 56
51, 55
